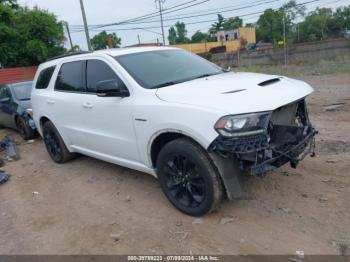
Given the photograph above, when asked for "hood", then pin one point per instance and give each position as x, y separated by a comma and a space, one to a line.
25, 104
237, 93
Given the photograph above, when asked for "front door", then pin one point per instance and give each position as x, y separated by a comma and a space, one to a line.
108, 120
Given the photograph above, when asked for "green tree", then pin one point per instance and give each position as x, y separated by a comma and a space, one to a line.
269, 26
76, 48
181, 33
199, 37
100, 41
315, 25
28, 36
178, 34
250, 25
340, 20
232, 23
218, 25
324, 23
172, 36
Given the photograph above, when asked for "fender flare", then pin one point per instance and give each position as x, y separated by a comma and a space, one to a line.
163, 131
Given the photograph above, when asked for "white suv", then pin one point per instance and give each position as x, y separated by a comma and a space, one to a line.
174, 115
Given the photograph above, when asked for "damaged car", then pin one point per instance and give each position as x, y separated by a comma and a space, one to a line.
164, 111
15, 108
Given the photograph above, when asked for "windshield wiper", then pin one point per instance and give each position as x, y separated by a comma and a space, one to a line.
170, 83
206, 75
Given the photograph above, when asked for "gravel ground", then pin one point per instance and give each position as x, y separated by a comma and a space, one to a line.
92, 207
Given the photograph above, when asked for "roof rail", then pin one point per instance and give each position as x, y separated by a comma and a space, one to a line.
68, 54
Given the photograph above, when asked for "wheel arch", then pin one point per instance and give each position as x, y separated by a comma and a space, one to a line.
42, 121
15, 118
163, 137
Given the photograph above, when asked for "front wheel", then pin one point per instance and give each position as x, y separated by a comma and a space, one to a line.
24, 129
188, 178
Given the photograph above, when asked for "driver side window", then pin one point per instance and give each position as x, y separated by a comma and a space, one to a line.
97, 71
5, 92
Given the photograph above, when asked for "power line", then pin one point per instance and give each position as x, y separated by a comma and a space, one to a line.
198, 22
150, 15
179, 18
199, 15
206, 14
219, 9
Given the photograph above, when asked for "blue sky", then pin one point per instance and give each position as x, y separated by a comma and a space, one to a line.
109, 11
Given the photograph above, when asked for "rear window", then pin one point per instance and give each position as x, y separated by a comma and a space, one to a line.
22, 91
70, 77
44, 78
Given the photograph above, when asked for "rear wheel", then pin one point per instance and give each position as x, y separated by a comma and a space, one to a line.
188, 178
24, 129
55, 145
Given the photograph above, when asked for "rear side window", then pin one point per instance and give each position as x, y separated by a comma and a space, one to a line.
44, 78
70, 78
97, 71
5, 92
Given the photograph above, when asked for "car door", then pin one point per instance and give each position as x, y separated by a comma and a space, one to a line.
65, 103
6, 107
108, 120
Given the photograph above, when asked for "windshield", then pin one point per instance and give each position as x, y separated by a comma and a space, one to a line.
22, 91
161, 68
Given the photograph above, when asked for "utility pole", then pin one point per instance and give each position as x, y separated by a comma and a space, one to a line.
69, 36
85, 25
298, 32
160, 6
284, 38
138, 38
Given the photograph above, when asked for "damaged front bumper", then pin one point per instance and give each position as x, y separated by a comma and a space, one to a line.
289, 138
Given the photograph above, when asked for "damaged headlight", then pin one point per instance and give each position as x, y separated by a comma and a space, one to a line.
243, 125
29, 111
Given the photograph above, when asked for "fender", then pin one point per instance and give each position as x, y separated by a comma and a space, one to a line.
163, 131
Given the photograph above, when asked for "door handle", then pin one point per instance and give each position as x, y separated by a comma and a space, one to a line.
50, 101
87, 105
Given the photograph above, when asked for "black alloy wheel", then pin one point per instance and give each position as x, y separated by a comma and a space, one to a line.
184, 182
55, 145
188, 177
24, 129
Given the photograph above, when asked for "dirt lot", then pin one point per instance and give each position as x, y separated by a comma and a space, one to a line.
81, 204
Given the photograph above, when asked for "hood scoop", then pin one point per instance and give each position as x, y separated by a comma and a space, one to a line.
270, 82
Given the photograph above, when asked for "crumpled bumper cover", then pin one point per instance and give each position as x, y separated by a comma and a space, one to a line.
258, 156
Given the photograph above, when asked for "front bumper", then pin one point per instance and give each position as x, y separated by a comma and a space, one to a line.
281, 144
29, 120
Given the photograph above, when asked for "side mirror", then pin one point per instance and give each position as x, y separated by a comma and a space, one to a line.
4, 99
111, 88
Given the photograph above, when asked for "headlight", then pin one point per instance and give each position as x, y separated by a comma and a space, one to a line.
243, 125
29, 111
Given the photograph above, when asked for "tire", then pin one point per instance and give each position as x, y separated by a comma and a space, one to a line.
24, 129
188, 178
55, 145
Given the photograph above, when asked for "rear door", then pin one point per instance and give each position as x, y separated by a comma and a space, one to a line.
65, 102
